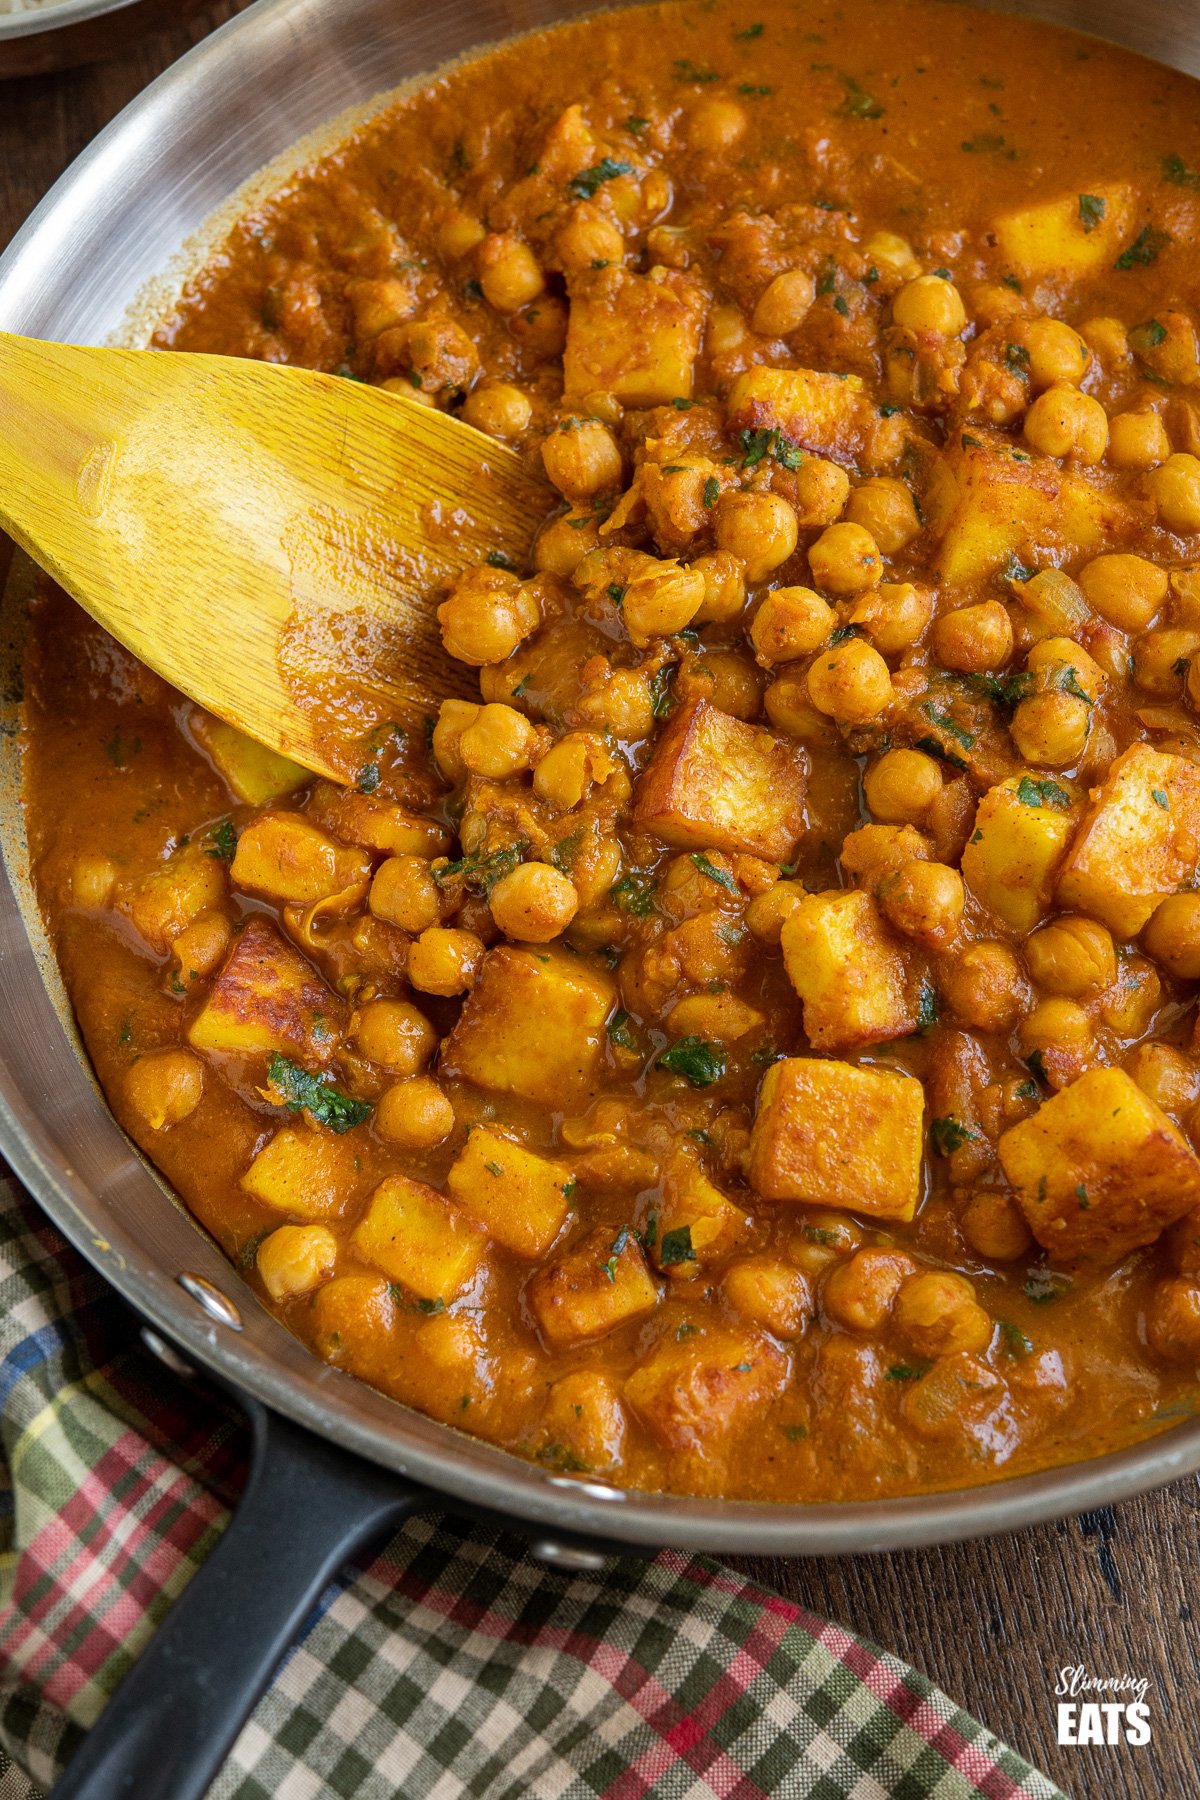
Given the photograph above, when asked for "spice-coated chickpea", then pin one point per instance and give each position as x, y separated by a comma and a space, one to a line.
767, 913
1073, 956
295, 1259
453, 718
769, 1292
791, 622
444, 961
1161, 659
758, 528
850, 682
924, 900
487, 614
902, 785
533, 903
1175, 491
562, 543
1173, 1321
784, 303
498, 742
974, 639
1061, 1032
201, 946
845, 559
93, 879
1051, 729
716, 124
1137, 440
983, 986
1125, 590
939, 1315
582, 458
589, 240
405, 894
498, 408
394, 1034
1063, 422
886, 508
1172, 936
660, 601
930, 303
1171, 1079
459, 234
894, 615
1056, 353
821, 491
414, 1114
858, 1293
165, 1087
724, 587
509, 272
994, 1226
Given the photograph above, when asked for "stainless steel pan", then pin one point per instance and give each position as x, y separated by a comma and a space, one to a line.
335, 1462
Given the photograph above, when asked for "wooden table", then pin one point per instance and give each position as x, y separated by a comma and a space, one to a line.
991, 1623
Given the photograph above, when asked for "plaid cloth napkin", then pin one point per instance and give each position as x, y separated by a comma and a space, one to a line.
454, 1665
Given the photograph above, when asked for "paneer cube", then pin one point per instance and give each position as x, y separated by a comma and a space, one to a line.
419, 1239
1099, 1169
828, 414
834, 1134
1012, 858
583, 1426
252, 773
696, 1221
1138, 842
306, 1173
715, 782
994, 501
283, 856
375, 822
164, 902
635, 337
521, 1198
266, 998
602, 1283
1074, 237
849, 970
533, 1025
695, 1390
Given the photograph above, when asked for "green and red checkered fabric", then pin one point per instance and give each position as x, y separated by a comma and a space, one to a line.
454, 1665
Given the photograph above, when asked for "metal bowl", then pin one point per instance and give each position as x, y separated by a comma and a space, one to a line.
118, 227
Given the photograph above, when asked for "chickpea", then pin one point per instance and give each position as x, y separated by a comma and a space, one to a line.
295, 1259
394, 1034
924, 900
1057, 355
895, 253
724, 587
894, 616
788, 707
488, 613
885, 507
767, 913
1051, 729
1173, 1321
995, 1227
589, 239
984, 987
859, 1292
736, 684
1106, 338
562, 544
902, 785
509, 272
582, 458
716, 124
414, 1114
1170, 1078
1160, 660
930, 303
661, 600
444, 961
822, 490
845, 559
1058, 654
453, 718
1129, 1006
620, 703
165, 1087
851, 683
783, 304
458, 234
201, 946
1125, 590
1063, 422
1175, 491
498, 742
939, 1315
1072, 956
725, 332
975, 638
791, 622
405, 894
760, 529
93, 879
769, 1293
1061, 1033
498, 408
1172, 936
533, 903
1137, 440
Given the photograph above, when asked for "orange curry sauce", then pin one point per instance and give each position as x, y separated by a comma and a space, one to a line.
753, 1049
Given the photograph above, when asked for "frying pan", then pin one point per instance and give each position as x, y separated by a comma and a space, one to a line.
334, 1463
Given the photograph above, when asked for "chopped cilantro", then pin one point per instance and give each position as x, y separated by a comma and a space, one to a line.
722, 877
751, 31
302, 1092
989, 143
677, 1247
480, 874
754, 88
1016, 358
927, 1008
1015, 570
769, 442
712, 490
493, 1168
635, 123
1144, 249
686, 70
564, 852
660, 691
222, 841
858, 104
795, 1434
698, 1061
940, 717
368, 778
634, 893
1159, 797
1092, 208
248, 1254
585, 185
949, 1134
616, 592
1176, 171
905, 1371
619, 1032
1013, 1340
608, 1268
496, 559
1147, 336
1042, 793
1043, 1285
1036, 1062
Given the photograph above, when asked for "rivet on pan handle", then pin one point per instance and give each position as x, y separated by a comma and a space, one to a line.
209, 1297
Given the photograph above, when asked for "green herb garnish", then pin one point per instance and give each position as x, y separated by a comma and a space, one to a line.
698, 1061
302, 1092
677, 1247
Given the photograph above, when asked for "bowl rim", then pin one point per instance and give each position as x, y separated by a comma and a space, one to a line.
334, 1405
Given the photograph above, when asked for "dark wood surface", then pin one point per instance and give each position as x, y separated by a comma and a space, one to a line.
992, 1623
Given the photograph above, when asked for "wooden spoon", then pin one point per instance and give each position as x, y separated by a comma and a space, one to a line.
265, 538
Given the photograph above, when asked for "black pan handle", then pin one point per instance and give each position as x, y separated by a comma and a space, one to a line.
307, 1509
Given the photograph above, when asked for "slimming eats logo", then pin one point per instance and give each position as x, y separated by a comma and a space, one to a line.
1102, 1709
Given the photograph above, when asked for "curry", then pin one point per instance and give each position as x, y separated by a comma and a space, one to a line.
750, 1046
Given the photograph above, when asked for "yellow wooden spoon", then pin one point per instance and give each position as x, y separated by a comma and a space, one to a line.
265, 538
